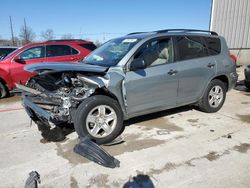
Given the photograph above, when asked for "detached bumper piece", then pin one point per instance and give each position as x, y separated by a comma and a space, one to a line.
95, 153
39, 111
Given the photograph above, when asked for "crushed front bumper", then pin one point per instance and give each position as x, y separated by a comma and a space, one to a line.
32, 108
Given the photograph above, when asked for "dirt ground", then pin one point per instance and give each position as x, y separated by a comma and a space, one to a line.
182, 147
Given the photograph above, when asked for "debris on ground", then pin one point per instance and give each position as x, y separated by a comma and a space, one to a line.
95, 153
32, 180
118, 140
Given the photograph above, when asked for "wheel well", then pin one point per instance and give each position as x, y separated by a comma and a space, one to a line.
2, 81
224, 79
103, 91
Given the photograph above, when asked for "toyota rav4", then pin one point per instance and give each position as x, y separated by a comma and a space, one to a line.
137, 74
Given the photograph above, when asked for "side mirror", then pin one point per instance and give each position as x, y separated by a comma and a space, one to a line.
137, 63
19, 59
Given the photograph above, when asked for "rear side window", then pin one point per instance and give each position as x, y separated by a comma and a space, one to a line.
190, 47
214, 45
89, 46
59, 50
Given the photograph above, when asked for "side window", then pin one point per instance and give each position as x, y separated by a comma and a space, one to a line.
214, 45
33, 53
89, 46
59, 50
156, 52
190, 47
74, 51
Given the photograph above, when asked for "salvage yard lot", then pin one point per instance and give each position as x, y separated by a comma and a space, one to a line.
175, 148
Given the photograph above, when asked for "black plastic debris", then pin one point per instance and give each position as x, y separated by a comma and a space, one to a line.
32, 180
118, 140
95, 153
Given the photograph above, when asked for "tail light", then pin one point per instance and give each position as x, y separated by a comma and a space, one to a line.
233, 57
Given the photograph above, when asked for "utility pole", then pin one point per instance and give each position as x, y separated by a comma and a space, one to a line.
25, 31
12, 34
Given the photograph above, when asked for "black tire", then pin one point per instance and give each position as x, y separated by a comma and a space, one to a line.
204, 102
3, 90
86, 107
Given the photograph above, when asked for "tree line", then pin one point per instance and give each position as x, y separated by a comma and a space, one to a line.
27, 35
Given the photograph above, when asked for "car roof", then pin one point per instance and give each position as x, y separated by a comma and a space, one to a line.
61, 41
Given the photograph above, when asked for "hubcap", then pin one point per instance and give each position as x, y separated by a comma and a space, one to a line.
215, 96
101, 121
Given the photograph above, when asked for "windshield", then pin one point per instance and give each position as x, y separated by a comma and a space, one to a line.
110, 53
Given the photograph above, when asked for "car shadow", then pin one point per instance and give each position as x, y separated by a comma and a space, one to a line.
11, 98
156, 115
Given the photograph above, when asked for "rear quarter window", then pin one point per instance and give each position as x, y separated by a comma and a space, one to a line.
213, 45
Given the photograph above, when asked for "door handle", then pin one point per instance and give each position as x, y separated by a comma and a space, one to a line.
172, 72
210, 65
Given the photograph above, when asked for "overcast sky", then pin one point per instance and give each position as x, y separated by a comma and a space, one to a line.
102, 19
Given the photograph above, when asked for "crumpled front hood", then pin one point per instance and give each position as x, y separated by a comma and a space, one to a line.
61, 67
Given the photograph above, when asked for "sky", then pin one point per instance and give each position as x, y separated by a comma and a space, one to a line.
102, 19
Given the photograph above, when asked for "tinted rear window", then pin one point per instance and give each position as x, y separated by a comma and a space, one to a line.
190, 47
213, 44
89, 46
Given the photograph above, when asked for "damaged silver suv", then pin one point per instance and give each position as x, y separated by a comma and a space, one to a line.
137, 74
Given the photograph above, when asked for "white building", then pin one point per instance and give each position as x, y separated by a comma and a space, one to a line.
231, 19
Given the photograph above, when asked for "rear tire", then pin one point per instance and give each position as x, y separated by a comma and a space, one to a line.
99, 117
3, 90
214, 97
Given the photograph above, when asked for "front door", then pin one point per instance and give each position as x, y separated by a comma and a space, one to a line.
154, 87
29, 56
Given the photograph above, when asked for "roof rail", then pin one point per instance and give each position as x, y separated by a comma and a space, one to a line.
186, 31
136, 33
68, 40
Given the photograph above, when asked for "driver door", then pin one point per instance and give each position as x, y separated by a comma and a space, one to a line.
154, 87
28, 56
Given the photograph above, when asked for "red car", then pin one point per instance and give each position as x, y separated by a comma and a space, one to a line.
11, 67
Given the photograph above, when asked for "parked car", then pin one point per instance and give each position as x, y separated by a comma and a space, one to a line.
247, 76
137, 74
5, 50
11, 67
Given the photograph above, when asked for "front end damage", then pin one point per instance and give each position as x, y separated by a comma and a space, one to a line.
51, 99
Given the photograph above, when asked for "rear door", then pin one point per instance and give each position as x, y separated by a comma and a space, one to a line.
31, 55
61, 53
196, 67
154, 87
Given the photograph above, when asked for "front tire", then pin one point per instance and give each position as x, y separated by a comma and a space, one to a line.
3, 90
99, 117
214, 97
